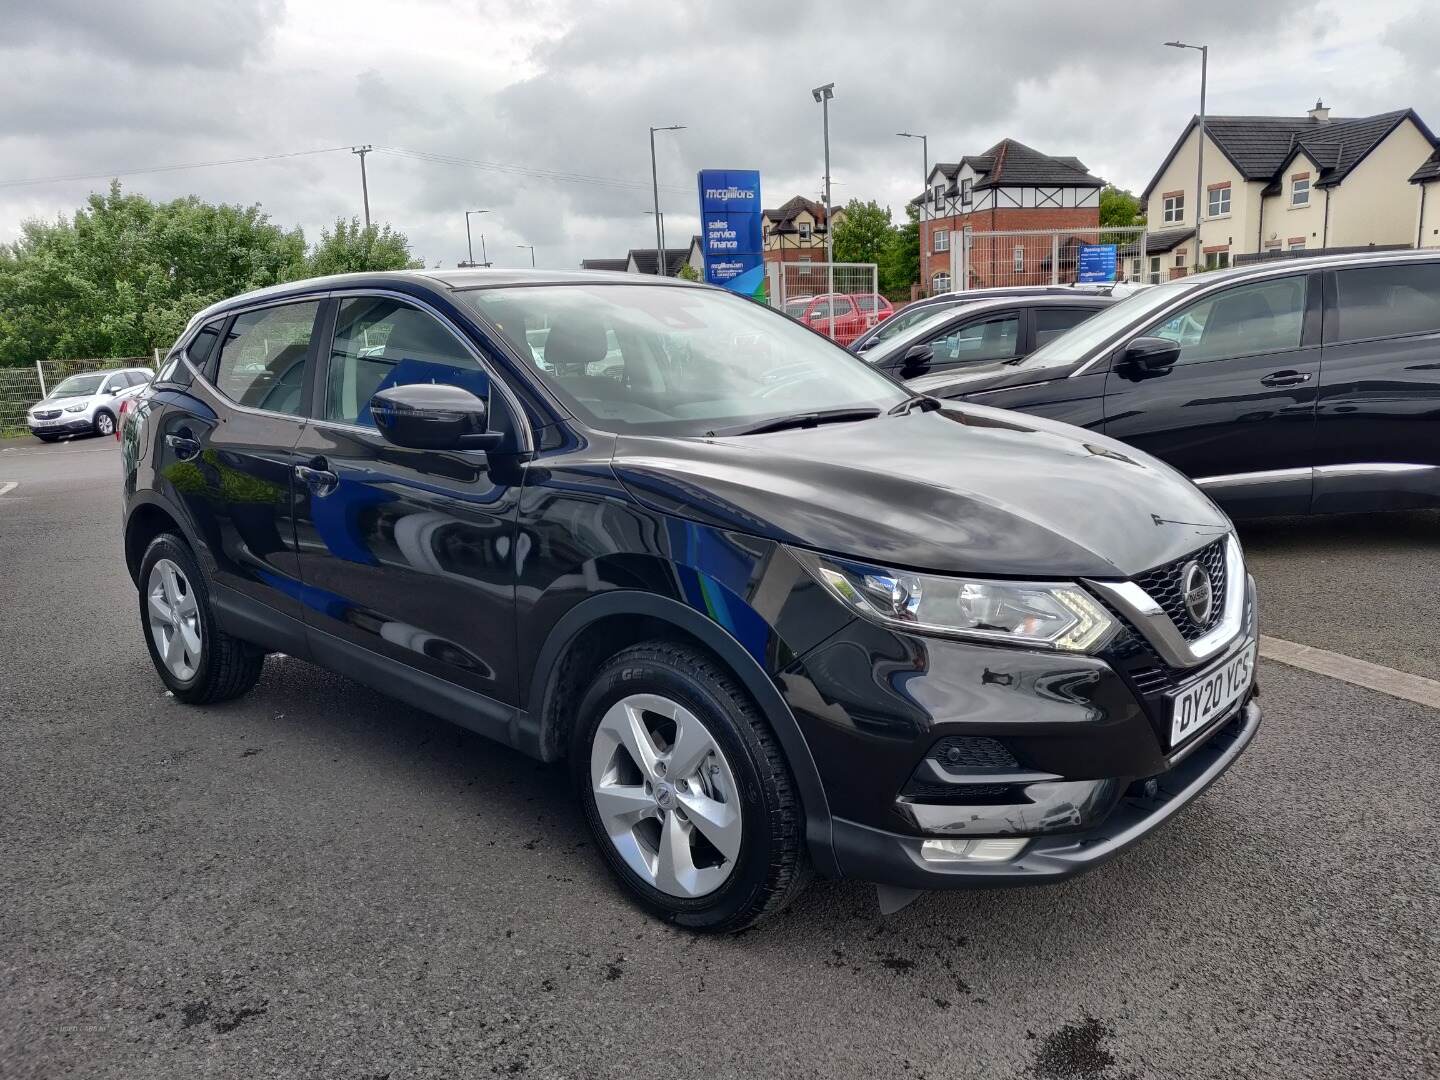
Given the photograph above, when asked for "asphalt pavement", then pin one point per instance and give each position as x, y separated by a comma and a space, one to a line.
316, 881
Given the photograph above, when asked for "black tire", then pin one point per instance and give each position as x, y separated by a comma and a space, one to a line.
227, 667
773, 865
106, 414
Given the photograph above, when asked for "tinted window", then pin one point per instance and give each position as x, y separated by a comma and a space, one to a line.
381, 343
993, 339
262, 363
1386, 301
200, 349
117, 382
139, 378
1264, 317
1052, 322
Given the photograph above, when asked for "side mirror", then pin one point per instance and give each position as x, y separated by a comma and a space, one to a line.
430, 416
1152, 355
917, 359
112, 390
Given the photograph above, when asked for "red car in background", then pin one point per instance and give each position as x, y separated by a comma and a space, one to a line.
854, 314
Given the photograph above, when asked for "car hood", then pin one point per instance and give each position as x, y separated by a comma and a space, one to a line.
60, 402
964, 489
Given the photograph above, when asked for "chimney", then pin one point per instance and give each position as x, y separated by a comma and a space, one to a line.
1320, 113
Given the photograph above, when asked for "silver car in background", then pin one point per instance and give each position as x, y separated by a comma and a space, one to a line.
82, 404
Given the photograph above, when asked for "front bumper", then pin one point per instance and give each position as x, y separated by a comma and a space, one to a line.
892, 858
61, 427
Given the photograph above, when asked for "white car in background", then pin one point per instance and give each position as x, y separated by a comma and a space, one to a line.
86, 403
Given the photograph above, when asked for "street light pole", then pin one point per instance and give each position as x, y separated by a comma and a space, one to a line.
532, 253
655, 186
1204, 51
924, 199
661, 216
469, 247
822, 95
364, 184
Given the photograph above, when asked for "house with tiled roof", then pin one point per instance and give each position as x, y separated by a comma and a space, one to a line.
795, 230
1009, 187
1427, 179
1290, 183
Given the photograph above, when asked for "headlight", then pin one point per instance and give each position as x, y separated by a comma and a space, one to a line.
78, 408
1048, 615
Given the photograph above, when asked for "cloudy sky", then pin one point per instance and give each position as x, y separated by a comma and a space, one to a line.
538, 110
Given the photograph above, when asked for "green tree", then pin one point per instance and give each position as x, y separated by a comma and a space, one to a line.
349, 246
1119, 207
900, 264
863, 234
688, 272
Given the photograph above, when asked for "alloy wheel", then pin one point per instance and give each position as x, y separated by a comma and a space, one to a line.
104, 424
666, 795
174, 619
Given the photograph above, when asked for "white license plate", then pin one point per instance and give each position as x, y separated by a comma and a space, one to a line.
46, 423
1195, 706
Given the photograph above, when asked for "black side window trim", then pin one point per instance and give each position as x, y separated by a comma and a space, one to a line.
212, 366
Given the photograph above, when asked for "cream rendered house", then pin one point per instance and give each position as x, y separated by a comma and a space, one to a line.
1427, 179
1280, 183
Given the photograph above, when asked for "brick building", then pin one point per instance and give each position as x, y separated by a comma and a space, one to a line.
1009, 187
795, 231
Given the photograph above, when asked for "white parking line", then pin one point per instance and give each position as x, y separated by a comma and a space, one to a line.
1347, 669
8, 486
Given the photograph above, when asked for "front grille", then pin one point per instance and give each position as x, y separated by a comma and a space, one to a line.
969, 753
962, 794
1165, 586
48, 414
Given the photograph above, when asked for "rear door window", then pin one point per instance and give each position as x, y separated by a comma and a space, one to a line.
1387, 301
1051, 322
992, 339
1266, 316
265, 356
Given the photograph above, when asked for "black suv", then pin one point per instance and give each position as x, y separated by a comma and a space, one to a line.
779, 613
1284, 387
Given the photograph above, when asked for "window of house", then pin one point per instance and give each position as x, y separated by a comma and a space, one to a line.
1217, 260
263, 361
942, 239
1387, 301
1219, 202
940, 283
1154, 269
938, 194
1300, 191
804, 230
1296, 245
1264, 317
381, 343
1019, 258
967, 192
1174, 211
1180, 260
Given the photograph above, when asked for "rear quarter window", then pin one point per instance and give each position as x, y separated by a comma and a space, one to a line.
1387, 301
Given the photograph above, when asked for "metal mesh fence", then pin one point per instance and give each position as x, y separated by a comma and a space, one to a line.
986, 260
21, 388
841, 300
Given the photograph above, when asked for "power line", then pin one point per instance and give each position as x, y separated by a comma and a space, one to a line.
166, 168
519, 170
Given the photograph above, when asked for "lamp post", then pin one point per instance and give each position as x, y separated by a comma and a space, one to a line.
925, 186
1204, 51
469, 247
661, 216
822, 96
655, 185
532, 253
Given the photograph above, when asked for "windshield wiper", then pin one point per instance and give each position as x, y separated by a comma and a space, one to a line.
923, 402
803, 420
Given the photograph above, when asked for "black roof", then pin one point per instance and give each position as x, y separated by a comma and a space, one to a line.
1163, 240
1261, 147
1010, 162
645, 260
785, 214
604, 264
1429, 170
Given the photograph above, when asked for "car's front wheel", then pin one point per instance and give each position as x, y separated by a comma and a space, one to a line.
687, 790
104, 423
195, 658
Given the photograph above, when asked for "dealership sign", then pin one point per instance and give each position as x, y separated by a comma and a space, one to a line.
1097, 262
730, 230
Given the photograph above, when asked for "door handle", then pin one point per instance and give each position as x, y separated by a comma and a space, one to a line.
320, 481
1285, 378
186, 448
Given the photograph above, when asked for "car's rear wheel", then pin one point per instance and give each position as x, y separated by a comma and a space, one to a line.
687, 790
197, 660
104, 423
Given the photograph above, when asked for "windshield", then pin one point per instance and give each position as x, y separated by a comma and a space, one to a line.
903, 320
78, 386
1077, 343
666, 360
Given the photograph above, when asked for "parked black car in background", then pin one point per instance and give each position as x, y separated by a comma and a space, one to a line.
778, 613
995, 330
1285, 387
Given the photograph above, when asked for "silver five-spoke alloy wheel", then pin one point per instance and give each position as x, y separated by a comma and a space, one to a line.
104, 424
666, 796
174, 619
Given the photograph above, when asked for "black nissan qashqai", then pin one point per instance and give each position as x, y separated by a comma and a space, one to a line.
780, 615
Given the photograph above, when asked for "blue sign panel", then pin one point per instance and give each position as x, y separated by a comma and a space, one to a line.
1097, 262
730, 230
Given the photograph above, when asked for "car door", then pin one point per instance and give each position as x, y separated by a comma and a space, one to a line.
1236, 412
406, 554
1378, 416
225, 453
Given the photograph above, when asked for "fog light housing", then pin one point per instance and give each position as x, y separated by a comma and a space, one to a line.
982, 849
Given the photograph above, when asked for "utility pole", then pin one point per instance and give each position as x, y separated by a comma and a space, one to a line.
655, 185
364, 185
1204, 51
823, 94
